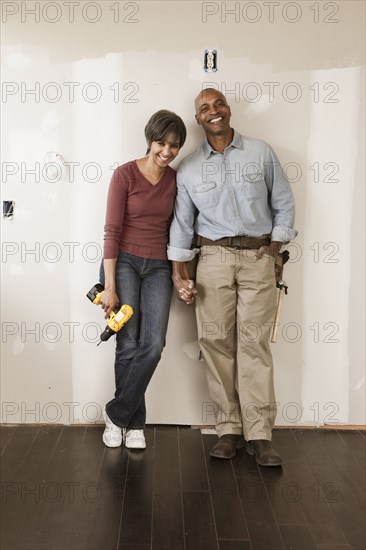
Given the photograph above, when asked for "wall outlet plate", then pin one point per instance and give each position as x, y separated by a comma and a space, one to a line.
210, 61
8, 209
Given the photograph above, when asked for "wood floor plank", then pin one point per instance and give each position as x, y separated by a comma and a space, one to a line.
64, 490
138, 497
193, 466
347, 466
137, 511
297, 537
167, 511
141, 462
167, 498
57, 487
334, 489
26, 489
6, 433
320, 518
104, 531
16, 451
333, 547
166, 449
235, 545
229, 515
261, 522
357, 445
284, 495
199, 523
77, 513
105, 522
286, 445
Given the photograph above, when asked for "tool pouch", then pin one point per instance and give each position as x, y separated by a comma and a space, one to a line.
280, 260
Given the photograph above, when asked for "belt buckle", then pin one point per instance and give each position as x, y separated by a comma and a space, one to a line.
236, 242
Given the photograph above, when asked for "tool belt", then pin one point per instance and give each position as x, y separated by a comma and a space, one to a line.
240, 243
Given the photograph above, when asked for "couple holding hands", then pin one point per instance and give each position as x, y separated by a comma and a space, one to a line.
232, 199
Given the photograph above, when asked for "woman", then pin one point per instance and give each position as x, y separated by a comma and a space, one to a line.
136, 271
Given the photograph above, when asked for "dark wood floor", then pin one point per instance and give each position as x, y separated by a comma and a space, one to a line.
62, 489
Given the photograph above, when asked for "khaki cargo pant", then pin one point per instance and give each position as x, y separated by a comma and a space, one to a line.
235, 309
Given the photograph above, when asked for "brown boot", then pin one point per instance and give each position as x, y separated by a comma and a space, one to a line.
264, 452
226, 446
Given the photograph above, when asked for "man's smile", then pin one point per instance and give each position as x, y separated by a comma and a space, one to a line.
217, 119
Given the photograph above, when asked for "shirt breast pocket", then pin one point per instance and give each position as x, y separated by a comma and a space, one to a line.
253, 190
205, 195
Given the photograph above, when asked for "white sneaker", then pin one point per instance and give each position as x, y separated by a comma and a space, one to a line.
135, 439
112, 436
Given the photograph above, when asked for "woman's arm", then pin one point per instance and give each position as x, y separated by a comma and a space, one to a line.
116, 203
109, 299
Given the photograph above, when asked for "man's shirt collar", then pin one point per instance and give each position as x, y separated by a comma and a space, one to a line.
236, 142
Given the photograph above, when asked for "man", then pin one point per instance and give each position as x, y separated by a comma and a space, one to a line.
232, 193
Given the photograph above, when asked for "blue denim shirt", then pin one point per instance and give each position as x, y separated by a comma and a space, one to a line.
243, 191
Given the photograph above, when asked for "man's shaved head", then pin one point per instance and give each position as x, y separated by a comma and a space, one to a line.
207, 91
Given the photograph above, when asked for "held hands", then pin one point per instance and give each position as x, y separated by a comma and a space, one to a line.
187, 291
109, 300
184, 286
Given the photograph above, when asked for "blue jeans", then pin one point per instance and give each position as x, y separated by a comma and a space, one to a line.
146, 285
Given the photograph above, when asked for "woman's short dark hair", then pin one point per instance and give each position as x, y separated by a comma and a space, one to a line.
163, 123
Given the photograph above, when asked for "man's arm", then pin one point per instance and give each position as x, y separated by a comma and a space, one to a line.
282, 205
179, 247
282, 201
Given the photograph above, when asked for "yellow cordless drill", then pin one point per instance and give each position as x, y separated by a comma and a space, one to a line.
117, 319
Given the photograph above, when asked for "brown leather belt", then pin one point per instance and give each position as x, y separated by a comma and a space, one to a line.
236, 242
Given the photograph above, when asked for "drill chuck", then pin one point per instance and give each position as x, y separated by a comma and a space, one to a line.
106, 334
